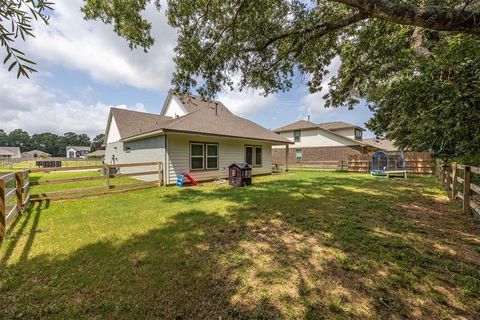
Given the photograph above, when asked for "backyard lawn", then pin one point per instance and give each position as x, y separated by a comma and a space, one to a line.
303, 245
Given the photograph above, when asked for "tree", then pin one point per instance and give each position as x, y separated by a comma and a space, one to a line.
47, 142
19, 138
98, 141
415, 63
3, 138
268, 45
15, 20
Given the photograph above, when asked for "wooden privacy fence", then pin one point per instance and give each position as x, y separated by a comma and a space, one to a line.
416, 162
322, 165
459, 182
14, 197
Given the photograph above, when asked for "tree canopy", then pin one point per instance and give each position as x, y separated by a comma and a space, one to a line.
48, 142
413, 62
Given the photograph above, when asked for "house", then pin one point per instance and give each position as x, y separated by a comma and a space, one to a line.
381, 144
10, 153
35, 154
193, 135
77, 152
330, 141
96, 155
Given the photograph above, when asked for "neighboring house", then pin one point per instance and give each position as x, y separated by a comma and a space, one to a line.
190, 135
330, 141
35, 154
10, 153
381, 144
96, 155
77, 152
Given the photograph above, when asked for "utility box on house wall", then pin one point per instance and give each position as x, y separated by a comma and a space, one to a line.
240, 174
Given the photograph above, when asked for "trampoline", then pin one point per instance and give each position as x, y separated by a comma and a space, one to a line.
385, 164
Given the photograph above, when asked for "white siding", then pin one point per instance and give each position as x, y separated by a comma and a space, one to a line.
348, 132
230, 151
317, 138
74, 153
145, 150
113, 133
174, 109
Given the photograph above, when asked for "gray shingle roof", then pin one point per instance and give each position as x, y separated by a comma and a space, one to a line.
335, 125
382, 144
211, 118
302, 124
10, 151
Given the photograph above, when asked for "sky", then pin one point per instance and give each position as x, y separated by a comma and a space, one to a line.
85, 69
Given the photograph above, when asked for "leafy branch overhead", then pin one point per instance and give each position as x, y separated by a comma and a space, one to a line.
406, 59
16, 21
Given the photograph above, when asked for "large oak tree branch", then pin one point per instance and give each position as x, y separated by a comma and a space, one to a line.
429, 17
325, 28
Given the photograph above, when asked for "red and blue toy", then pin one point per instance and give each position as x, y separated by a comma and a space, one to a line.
185, 176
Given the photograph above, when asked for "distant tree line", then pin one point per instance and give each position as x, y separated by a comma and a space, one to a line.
48, 142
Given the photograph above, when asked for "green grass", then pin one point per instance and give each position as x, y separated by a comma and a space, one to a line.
305, 245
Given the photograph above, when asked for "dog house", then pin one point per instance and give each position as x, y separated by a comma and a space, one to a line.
240, 174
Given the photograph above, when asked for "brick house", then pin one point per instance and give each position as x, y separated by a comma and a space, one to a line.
331, 141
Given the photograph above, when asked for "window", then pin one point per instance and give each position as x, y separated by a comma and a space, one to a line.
127, 149
212, 156
297, 134
258, 156
253, 155
196, 156
358, 134
249, 155
203, 156
298, 154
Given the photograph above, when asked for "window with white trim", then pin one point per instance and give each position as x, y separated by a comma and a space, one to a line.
358, 134
254, 155
249, 155
258, 155
197, 152
298, 154
212, 156
297, 134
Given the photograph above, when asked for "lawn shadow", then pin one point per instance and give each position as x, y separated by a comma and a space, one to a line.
321, 247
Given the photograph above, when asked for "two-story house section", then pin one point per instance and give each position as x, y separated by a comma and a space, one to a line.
330, 141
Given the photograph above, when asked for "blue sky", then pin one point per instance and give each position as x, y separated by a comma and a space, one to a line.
84, 69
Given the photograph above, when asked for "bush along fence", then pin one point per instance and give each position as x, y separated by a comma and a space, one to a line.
14, 197
15, 193
462, 182
416, 162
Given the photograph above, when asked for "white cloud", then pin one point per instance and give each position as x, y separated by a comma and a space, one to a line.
314, 104
27, 105
93, 47
247, 102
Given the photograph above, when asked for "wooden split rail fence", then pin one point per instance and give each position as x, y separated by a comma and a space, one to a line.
459, 181
14, 197
16, 185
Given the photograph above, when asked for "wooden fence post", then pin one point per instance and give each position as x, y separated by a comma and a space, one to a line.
449, 178
107, 177
466, 190
3, 208
160, 174
454, 181
18, 190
